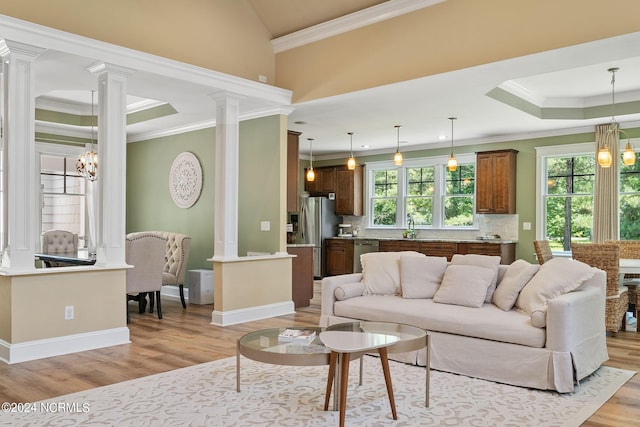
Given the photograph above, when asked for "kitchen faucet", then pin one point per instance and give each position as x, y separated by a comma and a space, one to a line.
411, 230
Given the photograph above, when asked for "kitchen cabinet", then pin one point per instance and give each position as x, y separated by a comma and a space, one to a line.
301, 275
338, 256
349, 191
506, 251
398, 245
324, 183
292, 170
446, 249
496, 182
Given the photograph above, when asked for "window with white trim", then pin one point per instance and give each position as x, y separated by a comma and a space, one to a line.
565, 186
423, 190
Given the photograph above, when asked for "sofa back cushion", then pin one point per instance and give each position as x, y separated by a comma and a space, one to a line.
464, 285
515, 278
381, 272
554, 278
420, 275
486, 261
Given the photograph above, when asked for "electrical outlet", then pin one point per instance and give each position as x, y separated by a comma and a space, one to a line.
265, 226
526, 226
68, 312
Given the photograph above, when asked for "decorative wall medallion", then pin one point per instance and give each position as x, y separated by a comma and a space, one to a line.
185, 180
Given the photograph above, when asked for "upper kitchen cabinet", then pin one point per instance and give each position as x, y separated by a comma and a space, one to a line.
344, 183
293, 139
349, 191
496, 182
324, 183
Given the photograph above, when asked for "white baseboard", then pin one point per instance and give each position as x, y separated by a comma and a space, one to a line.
232, 317
173, 293
39, 349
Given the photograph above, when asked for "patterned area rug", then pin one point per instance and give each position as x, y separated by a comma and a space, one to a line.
205, 395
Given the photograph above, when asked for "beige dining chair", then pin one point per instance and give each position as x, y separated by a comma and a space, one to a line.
630, 249
606, 257
543, 251
58, 242
176, 258
145, 252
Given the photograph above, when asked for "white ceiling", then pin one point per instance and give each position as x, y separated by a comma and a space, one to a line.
572, 78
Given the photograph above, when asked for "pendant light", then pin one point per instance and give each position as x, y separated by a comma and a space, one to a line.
311, 175
613, 133
87, 163
452, 164
351, 162
397, 158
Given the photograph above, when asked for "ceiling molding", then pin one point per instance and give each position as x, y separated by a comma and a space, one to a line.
381, 12
50, 38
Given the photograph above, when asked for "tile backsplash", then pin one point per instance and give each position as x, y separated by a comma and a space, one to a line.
506, 226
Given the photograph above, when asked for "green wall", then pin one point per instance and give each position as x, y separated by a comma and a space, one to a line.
526, 174
149, 205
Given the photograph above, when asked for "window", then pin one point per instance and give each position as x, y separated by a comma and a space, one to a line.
423, 190
63, 193
420, 190
458, 197
384, 199
566, 186
630, 201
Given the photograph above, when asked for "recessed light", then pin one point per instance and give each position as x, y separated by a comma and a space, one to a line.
365, 146
300, 122
442, 137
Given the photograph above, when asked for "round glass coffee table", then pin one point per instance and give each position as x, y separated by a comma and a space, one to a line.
263, 346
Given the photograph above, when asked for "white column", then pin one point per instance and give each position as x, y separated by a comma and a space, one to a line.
112, 161
22, 178
226, 176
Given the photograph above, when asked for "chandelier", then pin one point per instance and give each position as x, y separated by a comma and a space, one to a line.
87, 163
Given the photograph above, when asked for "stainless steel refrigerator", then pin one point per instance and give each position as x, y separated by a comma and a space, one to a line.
318, 221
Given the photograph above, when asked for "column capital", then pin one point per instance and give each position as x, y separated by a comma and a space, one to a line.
104, 67
8, 47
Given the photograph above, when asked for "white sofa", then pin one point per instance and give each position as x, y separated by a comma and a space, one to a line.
541, 326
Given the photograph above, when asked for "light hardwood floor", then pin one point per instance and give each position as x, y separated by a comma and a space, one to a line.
186, 337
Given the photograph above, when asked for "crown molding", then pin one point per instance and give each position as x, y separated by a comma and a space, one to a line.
387, 10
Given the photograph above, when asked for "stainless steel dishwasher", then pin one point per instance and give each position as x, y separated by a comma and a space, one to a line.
362, 246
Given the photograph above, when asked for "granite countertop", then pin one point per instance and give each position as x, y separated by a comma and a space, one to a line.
300, 245
483, 240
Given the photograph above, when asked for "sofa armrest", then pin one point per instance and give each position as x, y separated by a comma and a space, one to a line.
329, 285
577, 317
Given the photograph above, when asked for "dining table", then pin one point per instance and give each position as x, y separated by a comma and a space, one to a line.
80, 257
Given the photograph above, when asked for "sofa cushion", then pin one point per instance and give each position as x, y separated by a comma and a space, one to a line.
381, 272
348, 290
420, 276
487, 322
464, 285
516, 277
554, 278
486, 261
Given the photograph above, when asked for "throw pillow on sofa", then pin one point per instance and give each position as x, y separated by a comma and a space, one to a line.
464, 285
420, 275
554, 278
381, 272
516, 277
486, 261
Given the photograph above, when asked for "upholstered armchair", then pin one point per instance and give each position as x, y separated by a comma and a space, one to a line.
58, 242
145, 252
176, 257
